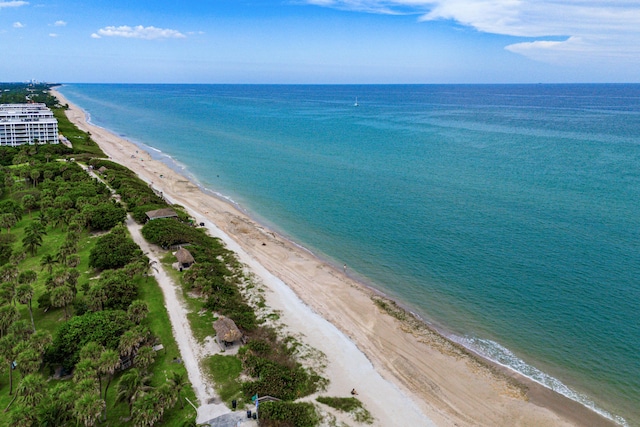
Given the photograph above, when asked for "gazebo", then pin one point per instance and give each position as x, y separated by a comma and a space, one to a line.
161, 213
184, 257
226, 332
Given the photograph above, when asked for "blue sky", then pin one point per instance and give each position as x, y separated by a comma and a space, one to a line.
320, 41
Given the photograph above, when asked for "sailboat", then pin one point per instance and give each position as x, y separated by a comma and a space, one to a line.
356, 104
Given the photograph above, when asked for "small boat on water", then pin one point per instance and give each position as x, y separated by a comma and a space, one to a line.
356, 104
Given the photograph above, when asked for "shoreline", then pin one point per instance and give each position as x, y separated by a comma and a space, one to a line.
449, 386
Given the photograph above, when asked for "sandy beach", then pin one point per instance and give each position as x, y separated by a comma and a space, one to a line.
405, 373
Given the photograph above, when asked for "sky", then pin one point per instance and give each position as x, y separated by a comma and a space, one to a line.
320, 41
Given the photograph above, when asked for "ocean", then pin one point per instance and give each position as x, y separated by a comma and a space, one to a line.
507, 216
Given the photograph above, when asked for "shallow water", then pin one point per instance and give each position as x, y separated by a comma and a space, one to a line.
506, 214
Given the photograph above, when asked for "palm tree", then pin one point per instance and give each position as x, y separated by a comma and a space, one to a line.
40, 340
137, 311
178, 381
144, 358
8, 220
167, 396
8, 315
8, 355
34, 175
131, 386
33, 237
24, 295
88, 409
57, 409
96, 297
22, 416
62, 296
48, 261
108, 363
31, 390
29, 361
85, 369
148, 410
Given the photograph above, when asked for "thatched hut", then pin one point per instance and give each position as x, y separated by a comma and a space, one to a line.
102, 170
184, 257
226, 332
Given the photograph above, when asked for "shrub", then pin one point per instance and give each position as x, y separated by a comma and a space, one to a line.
288, 414
105, 216
114, 250
103, 327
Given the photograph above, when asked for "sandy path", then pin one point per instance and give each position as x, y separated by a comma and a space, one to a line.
190, 350
404, 378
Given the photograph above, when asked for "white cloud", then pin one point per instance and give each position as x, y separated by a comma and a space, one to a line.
138, 32
4, 4
18, 25
60, 24
54, 35
596, 28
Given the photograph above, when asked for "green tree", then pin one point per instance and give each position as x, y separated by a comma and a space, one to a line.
145, 357
113, 250
29, 203
62, 296
8, 355
48, 261
178, 381
24, 295
34, 174
8, 315
8, 220
88, 408
105, 216
31, 390
137, 311
32, 239
131, 386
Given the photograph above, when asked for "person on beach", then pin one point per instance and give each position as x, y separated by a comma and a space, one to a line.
353, 392
344, 268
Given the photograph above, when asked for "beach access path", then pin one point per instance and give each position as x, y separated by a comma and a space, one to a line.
404, 377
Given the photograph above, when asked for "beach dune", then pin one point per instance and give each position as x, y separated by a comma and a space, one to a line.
405, 373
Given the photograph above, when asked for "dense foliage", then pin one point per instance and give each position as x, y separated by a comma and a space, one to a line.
102, 327
114, 250
105, 216
288, 414
168, 232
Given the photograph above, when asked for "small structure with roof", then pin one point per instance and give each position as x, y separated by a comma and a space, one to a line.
227, 333
185, 259
161, 213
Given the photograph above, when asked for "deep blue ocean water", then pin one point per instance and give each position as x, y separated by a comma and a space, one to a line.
507, 215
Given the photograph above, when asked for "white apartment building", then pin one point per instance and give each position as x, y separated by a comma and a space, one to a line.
27, 124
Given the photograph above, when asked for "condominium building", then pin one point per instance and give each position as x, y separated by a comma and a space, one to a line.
27, 124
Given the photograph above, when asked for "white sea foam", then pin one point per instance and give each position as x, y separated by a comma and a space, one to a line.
505, 357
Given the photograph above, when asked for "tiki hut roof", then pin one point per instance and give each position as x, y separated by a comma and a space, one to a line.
102, 169
162, 213
184, 256
226, 329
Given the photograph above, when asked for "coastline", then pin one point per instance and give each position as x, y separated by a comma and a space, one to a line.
426, 373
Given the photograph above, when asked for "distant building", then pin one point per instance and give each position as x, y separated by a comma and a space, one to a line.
27, 124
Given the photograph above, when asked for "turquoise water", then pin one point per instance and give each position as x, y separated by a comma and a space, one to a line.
507, 215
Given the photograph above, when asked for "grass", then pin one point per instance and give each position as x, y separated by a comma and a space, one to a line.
350, 405
225, 372
200, 319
